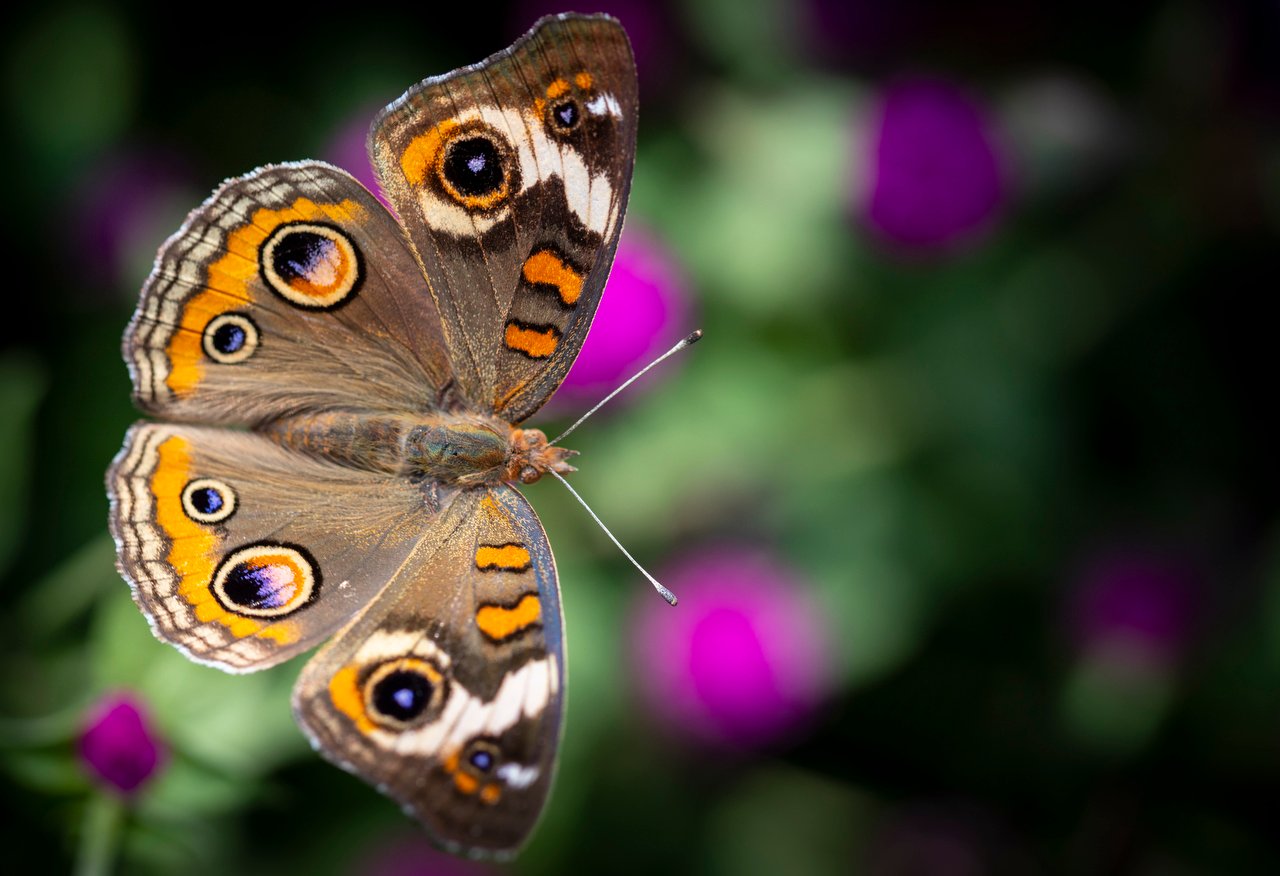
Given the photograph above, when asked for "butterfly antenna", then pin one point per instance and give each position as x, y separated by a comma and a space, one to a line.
664, 592
691, 339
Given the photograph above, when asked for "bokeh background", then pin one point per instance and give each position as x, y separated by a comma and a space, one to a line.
969, 493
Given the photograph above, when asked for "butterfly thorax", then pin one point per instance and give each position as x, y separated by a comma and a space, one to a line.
465, 449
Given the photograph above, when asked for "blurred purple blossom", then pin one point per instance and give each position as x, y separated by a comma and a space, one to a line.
118, 744
123, 212
1136, 605
643, 312
934, 174
743, 660
348, 148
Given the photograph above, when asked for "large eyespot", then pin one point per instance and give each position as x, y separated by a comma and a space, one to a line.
230, 338
404, 692
206, 500
266, 580
477, 168
311, 265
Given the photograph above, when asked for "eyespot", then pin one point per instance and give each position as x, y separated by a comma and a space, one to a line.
266, 580
482, 756
206, 500
477, 168
401, 693
311, 265
230, 338
565, 115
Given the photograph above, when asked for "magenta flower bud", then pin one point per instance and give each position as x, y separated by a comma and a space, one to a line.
743, 660
934, 175
643, 312
118, 745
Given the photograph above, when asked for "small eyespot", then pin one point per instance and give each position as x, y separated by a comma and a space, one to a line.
565, 115
311, 265
206, 500
482, 756
402, 692
230, 338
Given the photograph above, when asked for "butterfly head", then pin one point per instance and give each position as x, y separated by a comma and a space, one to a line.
531, 456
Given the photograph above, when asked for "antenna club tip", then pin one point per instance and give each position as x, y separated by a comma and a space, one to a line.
694, 337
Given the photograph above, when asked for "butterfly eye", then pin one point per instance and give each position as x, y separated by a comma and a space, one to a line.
402, 692
206, 500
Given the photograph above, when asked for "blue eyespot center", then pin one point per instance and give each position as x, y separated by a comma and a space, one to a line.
565, 114
252, 585
474, 167
482, 760
207, 500
229, 338
402, 694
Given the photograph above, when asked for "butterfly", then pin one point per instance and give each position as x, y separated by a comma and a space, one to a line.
337, 397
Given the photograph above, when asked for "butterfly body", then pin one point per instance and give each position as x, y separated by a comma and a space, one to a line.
338, 395
462, 449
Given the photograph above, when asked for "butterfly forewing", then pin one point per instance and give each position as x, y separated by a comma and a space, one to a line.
290, 289
512, 178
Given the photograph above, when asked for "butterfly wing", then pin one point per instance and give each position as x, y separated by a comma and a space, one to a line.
289, 289
446, 693
242, 553
512, 177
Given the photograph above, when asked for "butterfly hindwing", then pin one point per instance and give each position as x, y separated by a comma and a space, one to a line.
291, 288
447, 692
243, 553
512, 178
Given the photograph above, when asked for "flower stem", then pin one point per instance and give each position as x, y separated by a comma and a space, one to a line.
103, 821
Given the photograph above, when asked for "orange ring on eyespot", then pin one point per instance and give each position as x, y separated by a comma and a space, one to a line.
476, 148
403, 691
312, 265
266, 580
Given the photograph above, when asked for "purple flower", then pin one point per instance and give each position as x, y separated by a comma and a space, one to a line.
1135, 605
934, 173
118, 745
124, 209
643, 312
348, 149
742, 661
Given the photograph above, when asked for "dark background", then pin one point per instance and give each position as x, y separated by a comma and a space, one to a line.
1012, 454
